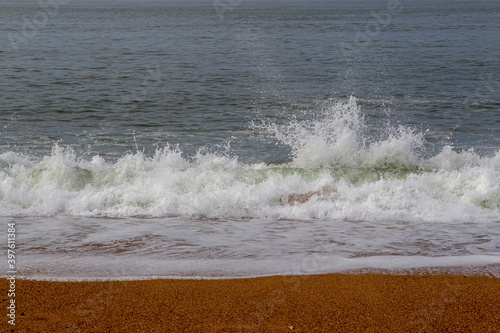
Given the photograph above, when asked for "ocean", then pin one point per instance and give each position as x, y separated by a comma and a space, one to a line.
239, 139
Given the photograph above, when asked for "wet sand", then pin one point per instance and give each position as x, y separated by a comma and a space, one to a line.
321, 303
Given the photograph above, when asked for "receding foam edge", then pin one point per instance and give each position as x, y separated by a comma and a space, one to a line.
480, 269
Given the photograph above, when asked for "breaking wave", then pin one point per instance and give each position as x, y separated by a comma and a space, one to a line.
337, 171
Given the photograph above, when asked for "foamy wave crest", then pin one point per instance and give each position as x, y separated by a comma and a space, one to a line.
336, 173
335, 137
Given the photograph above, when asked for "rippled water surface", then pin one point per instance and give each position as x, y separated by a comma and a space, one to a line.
162, 139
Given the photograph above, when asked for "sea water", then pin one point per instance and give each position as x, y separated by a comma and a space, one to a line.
173, 140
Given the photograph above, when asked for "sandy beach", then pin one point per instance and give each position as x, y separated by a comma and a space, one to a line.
320, 303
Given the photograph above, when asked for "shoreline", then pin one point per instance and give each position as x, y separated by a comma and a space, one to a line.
489, 270
300, 303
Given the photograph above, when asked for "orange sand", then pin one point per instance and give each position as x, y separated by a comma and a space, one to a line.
322, 303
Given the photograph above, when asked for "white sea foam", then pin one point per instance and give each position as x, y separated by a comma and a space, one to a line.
367, 202
63, 247
112, 268
369, 179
